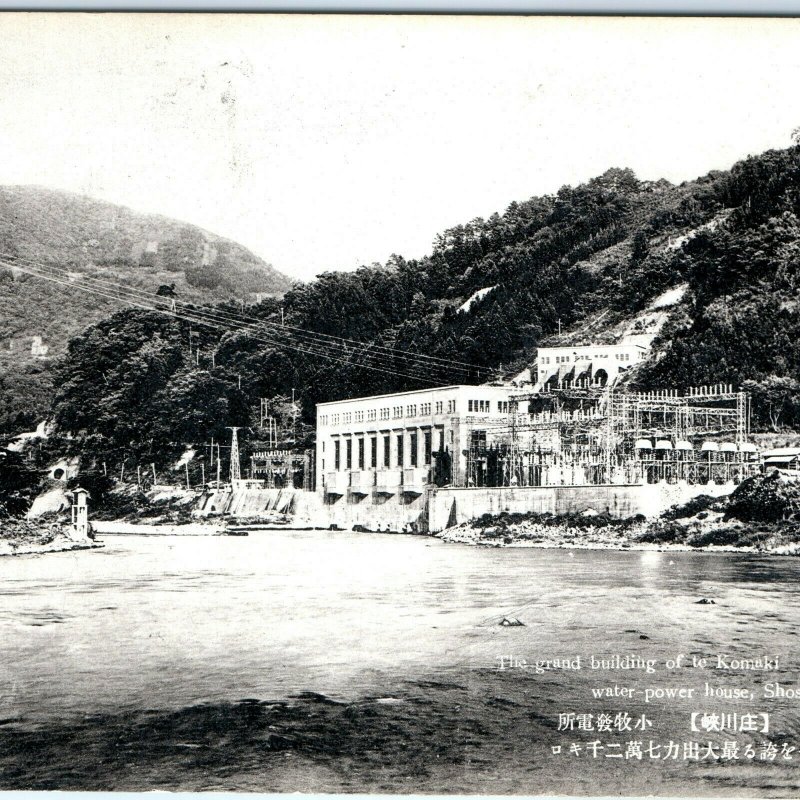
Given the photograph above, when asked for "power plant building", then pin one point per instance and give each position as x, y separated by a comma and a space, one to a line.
393, 445
579, 437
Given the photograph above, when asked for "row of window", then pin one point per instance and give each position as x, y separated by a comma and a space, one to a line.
567, 359
484, 406
361, 452
587, 357
397, 412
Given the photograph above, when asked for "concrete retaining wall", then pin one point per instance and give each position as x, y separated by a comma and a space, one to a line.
448, 507
442, 508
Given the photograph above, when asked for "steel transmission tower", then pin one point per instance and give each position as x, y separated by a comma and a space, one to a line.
236, 472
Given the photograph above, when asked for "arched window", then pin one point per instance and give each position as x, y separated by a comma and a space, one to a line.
600, 378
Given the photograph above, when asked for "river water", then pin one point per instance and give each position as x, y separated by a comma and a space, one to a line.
168, 623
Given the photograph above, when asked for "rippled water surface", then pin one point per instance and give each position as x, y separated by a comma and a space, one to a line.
152, 622
164, 623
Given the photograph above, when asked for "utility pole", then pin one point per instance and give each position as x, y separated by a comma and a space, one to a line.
559, 326
264, 412
192, 334
218, 467
154, 473
186, 465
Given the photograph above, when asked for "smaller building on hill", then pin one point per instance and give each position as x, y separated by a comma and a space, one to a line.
584, 366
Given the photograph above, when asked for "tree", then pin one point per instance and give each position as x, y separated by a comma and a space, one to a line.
775, 399
640, 247
18, 482
193, 406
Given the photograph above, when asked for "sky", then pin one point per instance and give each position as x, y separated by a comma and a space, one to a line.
328, 142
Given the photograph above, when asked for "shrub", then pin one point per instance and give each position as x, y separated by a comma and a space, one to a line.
694, 506
661, 532
722, 537
95, 482
764, 498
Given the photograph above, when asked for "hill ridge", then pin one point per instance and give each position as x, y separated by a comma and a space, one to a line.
94, 237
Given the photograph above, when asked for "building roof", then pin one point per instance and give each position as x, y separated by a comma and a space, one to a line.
471, 386
592, 347
782, 452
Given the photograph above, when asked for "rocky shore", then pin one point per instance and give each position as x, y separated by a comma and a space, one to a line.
21, 537
709, 536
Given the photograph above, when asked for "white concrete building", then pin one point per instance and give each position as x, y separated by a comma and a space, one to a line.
586, 365
389, 447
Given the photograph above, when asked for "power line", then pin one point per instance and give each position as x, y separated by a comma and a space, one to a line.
137, 296
203, 318
209, 320
242, 320
234, 320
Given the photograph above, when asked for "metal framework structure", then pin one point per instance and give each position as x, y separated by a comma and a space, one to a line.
283, 469
268, 425
590, 435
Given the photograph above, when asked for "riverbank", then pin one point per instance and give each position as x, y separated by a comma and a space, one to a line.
20, 537
173, 510
709, 529
165, 528
762, 515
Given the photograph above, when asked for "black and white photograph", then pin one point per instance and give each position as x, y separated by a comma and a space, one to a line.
400, 404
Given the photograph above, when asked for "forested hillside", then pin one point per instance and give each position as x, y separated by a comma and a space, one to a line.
92, 238
608, 246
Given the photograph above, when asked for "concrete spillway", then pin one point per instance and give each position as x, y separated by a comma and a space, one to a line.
254, 502
247, 502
